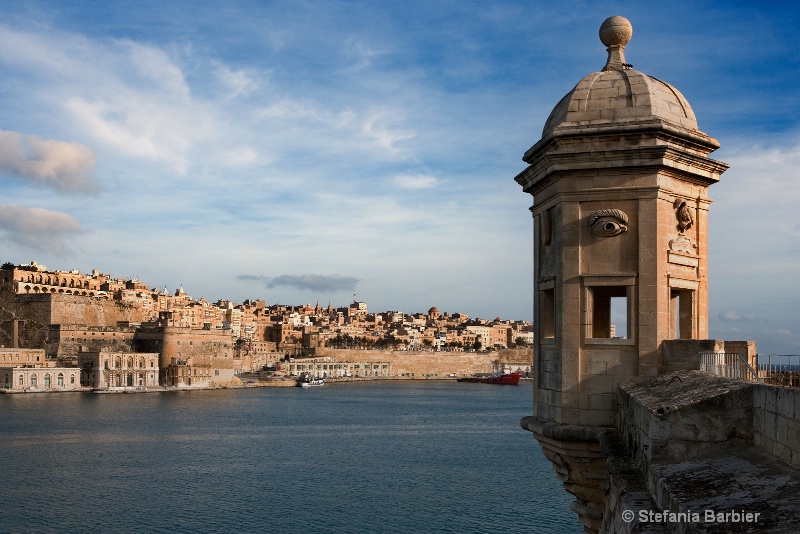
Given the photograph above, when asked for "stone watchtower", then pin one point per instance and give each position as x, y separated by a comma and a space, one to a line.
620, 181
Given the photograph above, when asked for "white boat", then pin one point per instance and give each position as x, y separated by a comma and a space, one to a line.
305, 380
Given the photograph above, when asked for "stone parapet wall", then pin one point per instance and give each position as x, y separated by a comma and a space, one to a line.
684, 354
684, 414
692, 441
776, 422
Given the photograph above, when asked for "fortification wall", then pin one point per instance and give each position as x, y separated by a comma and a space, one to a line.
65, 341
726, 450
64, 309
776, 422
419, 364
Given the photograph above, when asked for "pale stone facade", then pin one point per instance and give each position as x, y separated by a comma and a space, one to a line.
45, 379
619, 180
119, 370
327, 367
29, 370
188, 374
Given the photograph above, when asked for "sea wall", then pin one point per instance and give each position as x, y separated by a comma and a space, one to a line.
421, 364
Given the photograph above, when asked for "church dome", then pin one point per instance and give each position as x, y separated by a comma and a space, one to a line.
618, 94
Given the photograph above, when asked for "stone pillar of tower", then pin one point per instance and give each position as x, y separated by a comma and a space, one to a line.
619, 180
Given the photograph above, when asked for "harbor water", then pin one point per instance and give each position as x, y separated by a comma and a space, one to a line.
382, 456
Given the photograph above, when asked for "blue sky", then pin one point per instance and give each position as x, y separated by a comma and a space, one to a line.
297, 151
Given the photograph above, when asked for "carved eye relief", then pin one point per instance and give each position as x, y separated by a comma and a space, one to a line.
608, 223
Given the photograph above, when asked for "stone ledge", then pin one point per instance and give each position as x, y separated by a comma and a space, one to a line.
738, 479
559, 432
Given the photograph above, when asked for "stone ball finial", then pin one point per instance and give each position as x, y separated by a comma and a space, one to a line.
616, 31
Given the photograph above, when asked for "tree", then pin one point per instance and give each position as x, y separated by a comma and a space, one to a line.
520, 342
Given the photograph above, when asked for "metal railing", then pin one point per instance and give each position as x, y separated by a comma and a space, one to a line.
779, 369
729, 365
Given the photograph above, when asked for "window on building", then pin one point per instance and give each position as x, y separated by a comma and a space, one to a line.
607, 312
547, 300
72, 379
61, 380
599, 308
681, 313
21, 380
34, 381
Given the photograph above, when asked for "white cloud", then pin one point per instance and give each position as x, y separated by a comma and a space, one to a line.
736, 317
154, 66
237, 82
36, 228
360, 53
416, 181
380, 127
59, 164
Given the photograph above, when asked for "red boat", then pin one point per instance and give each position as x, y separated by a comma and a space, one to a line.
510, 379
468, 379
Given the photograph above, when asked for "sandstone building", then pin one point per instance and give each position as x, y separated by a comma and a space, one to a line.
75, 317
118, 370
29, 370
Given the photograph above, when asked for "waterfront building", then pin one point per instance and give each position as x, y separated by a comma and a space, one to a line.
327, 367
29, 370
187, 373
118, 370
230, 338
204, 347
39, 379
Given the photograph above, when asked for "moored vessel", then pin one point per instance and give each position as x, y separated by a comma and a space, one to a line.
509, 379
306, 380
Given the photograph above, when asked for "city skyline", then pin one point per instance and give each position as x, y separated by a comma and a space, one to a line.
300, 151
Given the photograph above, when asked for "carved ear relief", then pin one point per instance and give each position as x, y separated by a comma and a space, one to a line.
683, 214
608, 223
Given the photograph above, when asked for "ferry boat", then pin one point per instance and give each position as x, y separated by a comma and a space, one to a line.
305, 380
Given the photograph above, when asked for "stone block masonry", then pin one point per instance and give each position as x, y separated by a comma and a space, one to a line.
422, 364
689, 441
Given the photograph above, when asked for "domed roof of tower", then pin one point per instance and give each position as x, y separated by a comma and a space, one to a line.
618, 94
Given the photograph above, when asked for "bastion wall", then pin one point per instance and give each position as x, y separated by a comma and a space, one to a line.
420, 364
690, 441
